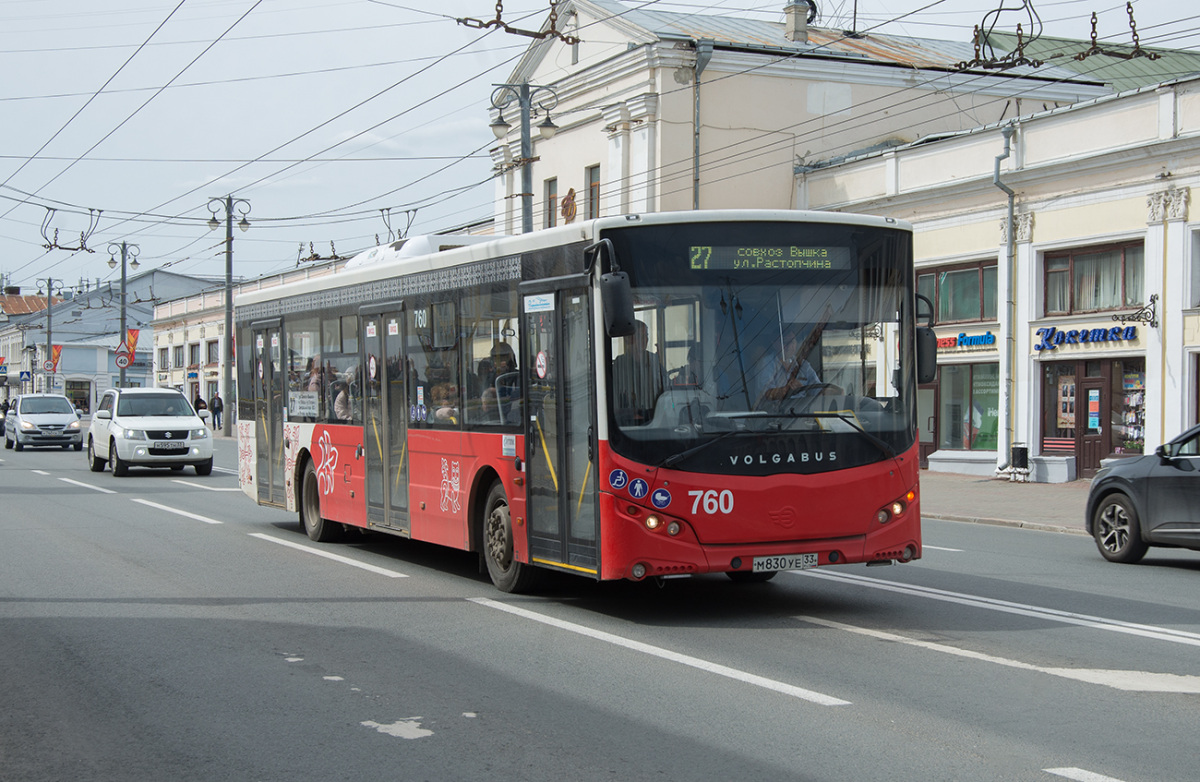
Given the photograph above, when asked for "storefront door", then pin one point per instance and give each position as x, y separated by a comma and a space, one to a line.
1092, 404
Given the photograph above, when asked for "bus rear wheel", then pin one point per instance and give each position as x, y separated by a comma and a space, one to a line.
318, 529
506, 573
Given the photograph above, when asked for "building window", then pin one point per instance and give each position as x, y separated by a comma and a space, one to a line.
1094, 279
164, 359
961, 293
213, 348
177, 357
551, 203
593, 192
194, 354
969, 407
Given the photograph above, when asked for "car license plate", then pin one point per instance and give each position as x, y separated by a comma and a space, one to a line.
785, 562
166, 445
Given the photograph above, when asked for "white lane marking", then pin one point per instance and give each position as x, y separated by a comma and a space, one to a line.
927, 547
1129, 681
655, 651
1080, 775
86, 485
178, 512
39, 472
206, 488
991, 604
327, 555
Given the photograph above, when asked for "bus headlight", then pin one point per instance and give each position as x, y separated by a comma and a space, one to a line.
653, 522
895, 508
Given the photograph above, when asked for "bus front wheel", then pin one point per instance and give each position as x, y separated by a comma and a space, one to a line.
506, 573
318, 529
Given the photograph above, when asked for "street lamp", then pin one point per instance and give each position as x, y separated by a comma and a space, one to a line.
526, 96
129, 252
242, 207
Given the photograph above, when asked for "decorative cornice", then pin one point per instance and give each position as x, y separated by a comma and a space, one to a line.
1024, 228
1168, 205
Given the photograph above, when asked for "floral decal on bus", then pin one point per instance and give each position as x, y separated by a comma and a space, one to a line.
450, 483
326, 463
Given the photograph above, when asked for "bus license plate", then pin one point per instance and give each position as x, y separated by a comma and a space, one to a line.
785, 562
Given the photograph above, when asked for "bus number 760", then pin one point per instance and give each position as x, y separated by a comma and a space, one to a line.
712, 501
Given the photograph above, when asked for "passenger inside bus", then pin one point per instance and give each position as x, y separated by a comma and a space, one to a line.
637, 379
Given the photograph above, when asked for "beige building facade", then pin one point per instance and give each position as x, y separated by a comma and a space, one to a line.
1076, 339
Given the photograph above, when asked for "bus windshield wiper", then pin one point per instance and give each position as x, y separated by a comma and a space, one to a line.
675, 458
876, 441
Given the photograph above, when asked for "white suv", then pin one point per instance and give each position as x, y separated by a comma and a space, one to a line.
148, 427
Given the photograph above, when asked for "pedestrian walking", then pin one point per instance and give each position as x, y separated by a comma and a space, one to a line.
216, 406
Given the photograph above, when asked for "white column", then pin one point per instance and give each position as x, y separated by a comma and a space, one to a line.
1166, 276
1027, 377
643, 153
614, 185
504, 217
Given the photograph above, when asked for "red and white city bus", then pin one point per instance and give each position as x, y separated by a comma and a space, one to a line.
632, 397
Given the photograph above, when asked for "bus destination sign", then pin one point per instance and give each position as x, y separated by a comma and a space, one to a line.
748, 258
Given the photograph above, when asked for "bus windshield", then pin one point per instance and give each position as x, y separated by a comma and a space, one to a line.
764, 348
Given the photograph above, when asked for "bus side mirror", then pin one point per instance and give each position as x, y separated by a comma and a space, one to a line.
926, 355
617, 296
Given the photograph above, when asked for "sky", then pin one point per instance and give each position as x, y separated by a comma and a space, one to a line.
338, 124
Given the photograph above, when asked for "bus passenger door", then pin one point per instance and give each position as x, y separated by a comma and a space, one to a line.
386, 427
268, 412
559, 426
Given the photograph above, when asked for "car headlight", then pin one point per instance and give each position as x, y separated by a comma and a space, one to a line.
199, 434
133, 434
27, 426
73, 425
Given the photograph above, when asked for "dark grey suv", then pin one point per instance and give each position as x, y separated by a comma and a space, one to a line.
1151, 500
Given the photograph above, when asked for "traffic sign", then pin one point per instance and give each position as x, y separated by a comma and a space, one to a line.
122, 360
48, 365
26, 377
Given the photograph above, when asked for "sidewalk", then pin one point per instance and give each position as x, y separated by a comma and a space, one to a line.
1056, 507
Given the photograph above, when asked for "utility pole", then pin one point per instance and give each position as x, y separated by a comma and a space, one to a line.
127, 251
52, 286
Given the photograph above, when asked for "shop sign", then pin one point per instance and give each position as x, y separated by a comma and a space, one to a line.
964, 340
1052, 337
193, 375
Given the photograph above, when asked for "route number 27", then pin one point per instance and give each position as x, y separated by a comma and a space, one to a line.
712, 501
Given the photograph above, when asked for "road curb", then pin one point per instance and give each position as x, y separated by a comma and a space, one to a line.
1040, 527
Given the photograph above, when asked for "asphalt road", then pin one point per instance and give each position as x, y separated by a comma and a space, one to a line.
162, 626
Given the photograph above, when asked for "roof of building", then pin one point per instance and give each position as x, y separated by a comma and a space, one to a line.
1114, 64
16, 304
880, 49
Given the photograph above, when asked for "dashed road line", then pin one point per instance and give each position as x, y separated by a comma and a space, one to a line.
666, 654
86, 486
328, 555
177, 512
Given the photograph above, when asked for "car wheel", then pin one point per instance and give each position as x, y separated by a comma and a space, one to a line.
18, 445
1117, 531
204, 468
95, 463
78, 447
318, 529
118, 466
497, 537
8, 443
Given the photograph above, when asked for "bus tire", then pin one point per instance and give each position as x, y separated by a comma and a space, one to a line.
506, 573
318, 529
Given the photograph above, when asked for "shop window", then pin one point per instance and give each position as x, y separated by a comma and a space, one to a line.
1093, 280
593, 192
961, 293
1128, 414
969, 407
551, 203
